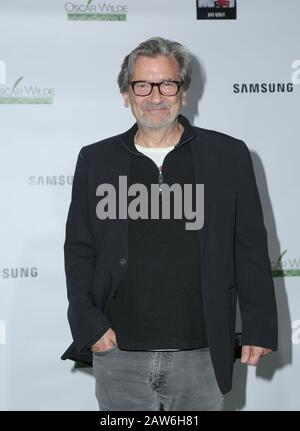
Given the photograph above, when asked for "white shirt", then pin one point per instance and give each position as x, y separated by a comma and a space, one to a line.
156, 154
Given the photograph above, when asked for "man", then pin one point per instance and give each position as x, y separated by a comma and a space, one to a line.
151, 303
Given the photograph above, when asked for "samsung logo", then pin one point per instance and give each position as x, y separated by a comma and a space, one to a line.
51, 180
263, 87
23, 272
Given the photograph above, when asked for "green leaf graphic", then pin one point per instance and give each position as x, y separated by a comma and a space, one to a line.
280, 257
15, 84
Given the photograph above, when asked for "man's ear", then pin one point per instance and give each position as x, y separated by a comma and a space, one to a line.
183, 100
126, 99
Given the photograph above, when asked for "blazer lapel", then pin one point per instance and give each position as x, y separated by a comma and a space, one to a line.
123, 166
206, 172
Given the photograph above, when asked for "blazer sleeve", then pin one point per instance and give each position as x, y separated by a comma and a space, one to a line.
254, 280
87, 322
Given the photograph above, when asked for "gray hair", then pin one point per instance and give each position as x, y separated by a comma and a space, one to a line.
152, 48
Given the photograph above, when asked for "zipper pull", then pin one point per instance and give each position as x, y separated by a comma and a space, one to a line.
160, 178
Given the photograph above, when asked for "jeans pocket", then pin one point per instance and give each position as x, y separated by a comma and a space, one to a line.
103, 352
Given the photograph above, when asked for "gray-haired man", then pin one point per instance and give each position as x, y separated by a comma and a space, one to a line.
147, 306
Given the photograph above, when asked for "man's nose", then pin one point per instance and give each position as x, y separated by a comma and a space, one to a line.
155, 96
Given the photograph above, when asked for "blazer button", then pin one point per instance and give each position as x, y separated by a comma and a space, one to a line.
123, 261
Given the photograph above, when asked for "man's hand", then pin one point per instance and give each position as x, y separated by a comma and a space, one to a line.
251, 354
107, 341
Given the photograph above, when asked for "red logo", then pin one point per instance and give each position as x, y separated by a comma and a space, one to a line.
222, 3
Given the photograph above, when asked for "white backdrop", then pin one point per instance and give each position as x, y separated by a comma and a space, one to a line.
58, 92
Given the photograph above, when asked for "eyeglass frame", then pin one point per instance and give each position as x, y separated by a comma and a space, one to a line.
157, 84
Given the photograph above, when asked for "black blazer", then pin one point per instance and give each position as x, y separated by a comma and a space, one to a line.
233, 243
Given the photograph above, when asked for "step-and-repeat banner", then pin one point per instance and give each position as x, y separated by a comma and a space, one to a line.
59, 62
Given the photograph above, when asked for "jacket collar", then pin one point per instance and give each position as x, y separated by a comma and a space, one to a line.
127, 138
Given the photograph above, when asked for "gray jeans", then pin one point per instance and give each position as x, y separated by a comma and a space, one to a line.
142, 380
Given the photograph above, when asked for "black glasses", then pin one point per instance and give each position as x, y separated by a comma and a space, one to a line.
166, 88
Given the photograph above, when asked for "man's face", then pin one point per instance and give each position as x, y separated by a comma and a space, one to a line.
155, 111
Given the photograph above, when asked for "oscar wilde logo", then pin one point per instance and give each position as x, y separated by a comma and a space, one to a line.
286, 268
20, 93
92, 11
219, 9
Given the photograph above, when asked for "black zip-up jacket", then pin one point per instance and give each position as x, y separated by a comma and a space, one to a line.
234, 259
